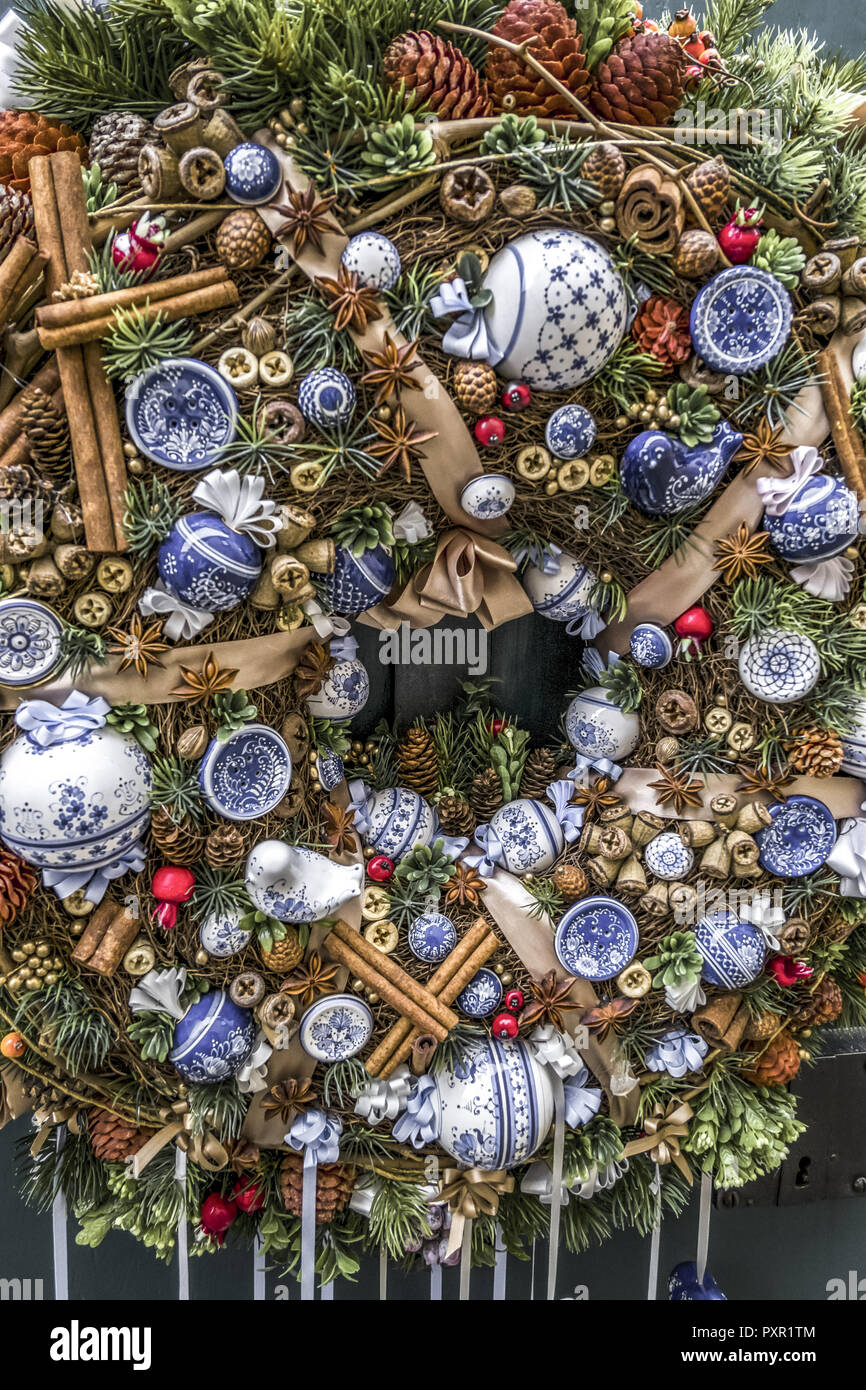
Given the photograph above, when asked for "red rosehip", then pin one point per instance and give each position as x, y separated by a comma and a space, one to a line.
786, 971
495, 726
739, 237
217, 1214
514, 1001
171, 885
693, 627
505, 1026
490, 431
516, 395
380, 868
249, 1195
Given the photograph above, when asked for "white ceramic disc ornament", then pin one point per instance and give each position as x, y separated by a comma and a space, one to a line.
495, 1104
559, 309
779, 667
667, 857
374, 259
598, 728
488, 496
335, 1028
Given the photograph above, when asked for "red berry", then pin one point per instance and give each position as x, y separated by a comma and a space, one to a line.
694, 47
12, 1046
514, 1001
249, 1195
490, 431
495, 726
786, 971
516, 395
693, 627
380, 868
171, 885
739, 237
505, 1026
217, 1214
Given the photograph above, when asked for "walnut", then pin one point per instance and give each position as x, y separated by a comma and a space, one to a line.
467, 194
676, 712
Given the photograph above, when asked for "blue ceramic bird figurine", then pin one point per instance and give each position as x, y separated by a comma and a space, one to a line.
662, 476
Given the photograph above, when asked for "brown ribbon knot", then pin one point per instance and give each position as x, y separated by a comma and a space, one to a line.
46, 1117
470, 1192
663, 1131
204, 1149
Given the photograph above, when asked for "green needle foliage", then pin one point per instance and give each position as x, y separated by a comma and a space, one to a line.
80, 649
151, 511
76, 1029
152, 1032
217, 894
134, 343
553, 172
398, 1217
174, 785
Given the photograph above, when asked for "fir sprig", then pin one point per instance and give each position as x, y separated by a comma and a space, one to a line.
151, 511
136, 342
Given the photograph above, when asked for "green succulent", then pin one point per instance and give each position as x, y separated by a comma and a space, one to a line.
174, 784
217, 894
232, 709
425, 868
858, 404
134, 719
398, 149
677, 962
328, 737
782, 256
512, 133
267, 929
622, 685
602, 24
97, 193
364, 528
697, 414
508, 755
153, 1034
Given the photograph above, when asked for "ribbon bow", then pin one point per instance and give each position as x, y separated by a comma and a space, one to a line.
569, 817
380, 1099
663, 1130
251, 1077
241, 504
470, 1192
343, 647
411, 525
777, 494
582, 1102
848, 858
596, 1181
829, 579
317, 1133
761, 912
468, 335
537, 1181
469, 574
46, 724
325, 624
677, 1052
201, 1147
183, 620
363, 799
160, 989
556, 1051
544, 558
96, 881
419, 1124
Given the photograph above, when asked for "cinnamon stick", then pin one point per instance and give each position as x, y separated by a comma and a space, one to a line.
107, 937
846, 437
393, 972
21, 269
100, 305
722, 1021
201, 301
403, 1003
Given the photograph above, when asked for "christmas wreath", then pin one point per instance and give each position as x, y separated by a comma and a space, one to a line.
322, 316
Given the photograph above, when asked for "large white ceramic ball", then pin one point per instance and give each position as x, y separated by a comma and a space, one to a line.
564, 595
854, 742
495, 1104
559, 308
598, 728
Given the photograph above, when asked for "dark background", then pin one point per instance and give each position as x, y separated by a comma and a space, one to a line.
783, 1238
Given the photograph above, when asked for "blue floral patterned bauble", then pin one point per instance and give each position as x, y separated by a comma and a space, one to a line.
222, 935
667, 857
357, 582
482, 996
560, 589
822, 520
598, 728
205, 563
733, 951
799, 841
495, 1104
327, 398
30, 642
247, 774
432, 937
570, 432
650, 646
661, 475
854, 741
523, 836
399, 819
253, 173
344, 692
213, 1039
740, 320
684, 1286
779, 667
374, 259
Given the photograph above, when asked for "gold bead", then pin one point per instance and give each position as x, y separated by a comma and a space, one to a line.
201, 957
507, 978
358, 985
372, 997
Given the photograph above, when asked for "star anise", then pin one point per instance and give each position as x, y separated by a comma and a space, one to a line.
287, 1097
596, 798
464, 887
742, 554
676, 788
307, 219
353, 305
763, 779
551, 998
339, 827
312, 669
201, 685
606, 1016
139, 646
399, 442
392, 370
245, 1155
310, 979
763, 447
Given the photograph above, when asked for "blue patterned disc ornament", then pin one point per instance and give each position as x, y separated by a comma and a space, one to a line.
741, 320
432, 937
253, 173
374, 259
247, 774
800, 838
482, 996
30, 642
335, 1028
488, 496
821, 520
667, 857
662, 476
327, 398
596, 939
213, 1039
570, 432
181, 413
779, 667
357, 582
650, 646
733, 951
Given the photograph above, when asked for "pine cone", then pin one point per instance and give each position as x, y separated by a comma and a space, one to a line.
570, 880
763, 1026
557, 45
47, 432
824, 1005
284, 955
17, 881
417, 761
539, 771
25, 134
116, 140
335, 1183
710, 183
435, 74
16, 218
456, 816
180, 841
641, 81
475, 386
778, 1063
815, 752
605, 166
486, 795
661, 329
113, 1139
225, 846
242, 240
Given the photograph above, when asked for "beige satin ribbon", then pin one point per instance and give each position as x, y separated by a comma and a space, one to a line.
13, 1100
469, 1193
664, 1130
841, 795
205, 1150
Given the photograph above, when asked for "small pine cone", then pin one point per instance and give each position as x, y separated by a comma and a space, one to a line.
433, 73
46, 430
456, 816
242, 240
556, 43
16, 218
181, 842
335, 1183
116, 140
710, 184
824, 1005
815, 752
284, 955
778, 1063
225, 846
763, 1026
113, 1139
417, 761
539, 771
605, 166
661, 328
570, 880
486, 795
17, 881
476, 387
696, 254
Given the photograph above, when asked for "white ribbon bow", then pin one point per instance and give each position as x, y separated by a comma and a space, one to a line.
829, 579
251, 1077
760, 910
326, 624
241, 504
380, 1100
160, 989
555, 1050
183, 620
848, 858
777, 494
411, 525
600, 1181
686, 997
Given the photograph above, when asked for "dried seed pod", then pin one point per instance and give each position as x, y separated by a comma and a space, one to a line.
247, 989
645, 826
822, 274
854, 278
697, 833
44, 579
158, 173
753, 817
656, 902
222, 132
202, 173
604, 871
683, 901
74, 561
716, 860
259, 336
291, 579
319, 555
180, 127
846, 248
93, 609
284, 419
518, 200
853, 316
823, 315
192, 742
204, 90
676, 712
467, 194
264, 596
743, 849
725, 810
631, 877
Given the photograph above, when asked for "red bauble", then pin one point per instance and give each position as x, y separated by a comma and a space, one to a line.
739, 237
140, 247
516, 395
786, 971
217, 1214
693, 627
505, 1026
514, 1001
171, 885
249, 1195
490, 431
380, 868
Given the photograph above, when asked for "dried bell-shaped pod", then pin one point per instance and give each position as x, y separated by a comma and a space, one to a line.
259, 335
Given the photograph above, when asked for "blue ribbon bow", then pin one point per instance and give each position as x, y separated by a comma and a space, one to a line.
582, 1102
468, 335
419, 1123
46, 724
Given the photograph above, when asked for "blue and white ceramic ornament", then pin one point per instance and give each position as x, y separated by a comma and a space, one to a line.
210, 561
327, 398
779, 667
335, 1028
740, 320
495, 1104
854, 741
596, 939
559, 587
247, 774
599, 731
432, 937
213, 1039
482, 996
526, 836
295, 884
223, 936
74, 795
181, 413
330, 769
346, 688
733, 951
392, 821
357, 582
650, 646
811, 518
253, 173
488, 496
800, 838
374, 259
685, 1287
30, 642
667, 857
570, 432
662, 476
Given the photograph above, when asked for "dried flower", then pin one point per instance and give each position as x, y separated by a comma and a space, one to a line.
339, 827
596, 798
312, 978
312, 669
761, 779
676, 788
765, 446
392, 370
204, 684
286, 1098
552, 997
464, 888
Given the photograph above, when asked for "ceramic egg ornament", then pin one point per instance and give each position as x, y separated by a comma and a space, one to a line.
357, 582
570, 432
527, 836
599, 731
391, 821
74, 795
222, 935
374, 259
854, 741
346, 687
253, 173
213, 1037
559, 587
495, 1104
811, 518
733, 951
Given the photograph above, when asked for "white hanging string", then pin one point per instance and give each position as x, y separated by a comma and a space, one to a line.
259, 1287
383, 1277
182, 1246
58, 1233
500, 1268
465, 1261
704, 1212
327, 1292
436, 1283
308, 1231
532, 1274
556, 1190
655, 1240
